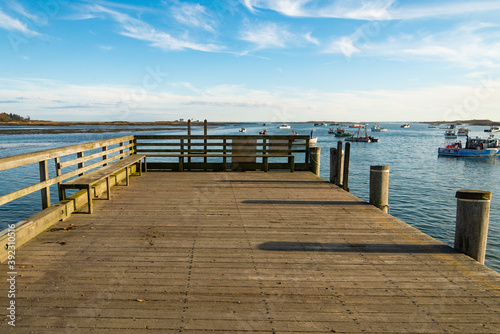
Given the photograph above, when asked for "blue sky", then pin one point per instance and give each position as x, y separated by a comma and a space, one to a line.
250, 60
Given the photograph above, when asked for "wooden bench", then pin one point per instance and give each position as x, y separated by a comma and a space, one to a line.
88, 180
291, 158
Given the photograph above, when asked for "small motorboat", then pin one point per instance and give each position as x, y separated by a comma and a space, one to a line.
243, 130
377, 128
450, 134
463, 132
320, 124
405, 126
493, 129
263, 132
474, 147
284, 126
339, 132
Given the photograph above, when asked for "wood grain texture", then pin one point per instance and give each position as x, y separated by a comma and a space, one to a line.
245, 253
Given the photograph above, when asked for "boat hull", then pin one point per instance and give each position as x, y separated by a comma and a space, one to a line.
464, 152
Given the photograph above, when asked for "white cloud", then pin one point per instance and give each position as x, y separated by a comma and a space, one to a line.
372, 9
469, 46
240, 103
12, 24
194, 15
141, 30
266, 35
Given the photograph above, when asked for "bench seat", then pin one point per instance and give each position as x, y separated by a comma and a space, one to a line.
88, 180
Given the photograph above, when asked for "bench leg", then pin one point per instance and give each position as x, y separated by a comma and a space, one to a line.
292, 164
266, 164
63, 193
108, 188
127, 172
89, 198
145, 165
140, 167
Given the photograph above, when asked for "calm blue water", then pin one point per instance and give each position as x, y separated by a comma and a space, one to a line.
422, 185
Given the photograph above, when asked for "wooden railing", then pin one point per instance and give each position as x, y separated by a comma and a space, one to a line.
203, 152
223, 153
76, 159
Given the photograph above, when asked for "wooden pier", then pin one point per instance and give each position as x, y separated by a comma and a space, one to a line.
244, 252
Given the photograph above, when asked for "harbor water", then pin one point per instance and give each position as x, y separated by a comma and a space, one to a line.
422, 185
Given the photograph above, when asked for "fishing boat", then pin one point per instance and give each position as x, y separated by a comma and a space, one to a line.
263, 132
377, 128
474, 147
339, 132
493, 129
363, 138
320, 124
356, 126
243, 130
312, 140
405, 126
284, 126
463, 132
450, 134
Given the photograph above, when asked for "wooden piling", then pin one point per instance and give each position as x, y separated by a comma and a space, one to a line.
336, 171
315, 153
471, 230
339, 165
345, 182
379, 187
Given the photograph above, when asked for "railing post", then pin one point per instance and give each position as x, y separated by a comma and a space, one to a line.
205, 132
80, 164
57, 162
315, 153
121, 151
379, 187
189, 140
471, 230
44, 175
105, 157
347, 154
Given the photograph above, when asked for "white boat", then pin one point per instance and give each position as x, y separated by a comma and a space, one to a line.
463, 132
377, 128
284, 126
450, 134
405, 126
493, 129
243, 130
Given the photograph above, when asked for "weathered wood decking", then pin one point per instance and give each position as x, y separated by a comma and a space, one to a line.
245, 253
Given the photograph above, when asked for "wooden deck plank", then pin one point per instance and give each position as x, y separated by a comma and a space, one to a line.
245, 253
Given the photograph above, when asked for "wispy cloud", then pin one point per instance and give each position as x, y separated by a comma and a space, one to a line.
270, 35
194, 15
470, 46
137, 29
372, 9
15, 25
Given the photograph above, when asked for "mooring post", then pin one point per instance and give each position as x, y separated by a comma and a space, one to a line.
347, 154
340, 164
336, 172
315, 153
471, 230
379, 187
189, 140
